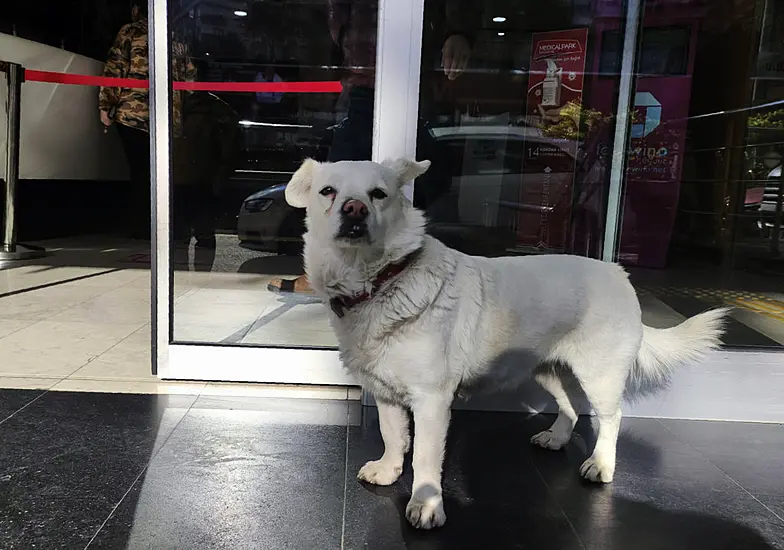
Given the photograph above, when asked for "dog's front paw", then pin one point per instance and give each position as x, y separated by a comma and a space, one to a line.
379, 472
427, 513
550, 440
595, 469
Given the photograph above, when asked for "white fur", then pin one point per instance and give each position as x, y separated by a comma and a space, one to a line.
452, 322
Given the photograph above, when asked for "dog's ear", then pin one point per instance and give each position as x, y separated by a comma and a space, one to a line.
407, 170
298, 188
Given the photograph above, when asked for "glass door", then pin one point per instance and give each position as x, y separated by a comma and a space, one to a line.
519, 112
701, 209
609, 130
242, 93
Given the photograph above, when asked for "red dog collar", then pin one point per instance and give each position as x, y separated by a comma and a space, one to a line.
340, 304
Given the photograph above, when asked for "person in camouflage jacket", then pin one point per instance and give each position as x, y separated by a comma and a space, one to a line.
129, 108
129, 58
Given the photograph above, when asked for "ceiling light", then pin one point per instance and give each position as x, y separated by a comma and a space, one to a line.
499, 19
241, 13
501, 33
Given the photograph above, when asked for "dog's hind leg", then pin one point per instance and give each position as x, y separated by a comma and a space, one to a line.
603, 380
560, 432
393, 421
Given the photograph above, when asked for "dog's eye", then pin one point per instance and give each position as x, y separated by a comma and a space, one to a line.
327, 191
378, 194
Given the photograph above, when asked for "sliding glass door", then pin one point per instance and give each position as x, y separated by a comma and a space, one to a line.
589, 128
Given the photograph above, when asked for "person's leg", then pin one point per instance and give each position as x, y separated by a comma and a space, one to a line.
352, 140
181, 226
136, 144
432, 189
205, 229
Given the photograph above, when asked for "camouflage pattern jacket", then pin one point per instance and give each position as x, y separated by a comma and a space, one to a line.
128, 58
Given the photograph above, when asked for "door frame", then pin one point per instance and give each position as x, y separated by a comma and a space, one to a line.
394, 134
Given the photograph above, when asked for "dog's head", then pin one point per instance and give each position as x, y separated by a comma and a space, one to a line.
353, 204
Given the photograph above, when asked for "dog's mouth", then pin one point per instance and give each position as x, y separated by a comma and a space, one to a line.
353, 231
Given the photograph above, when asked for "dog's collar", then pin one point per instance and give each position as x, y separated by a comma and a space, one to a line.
340, 304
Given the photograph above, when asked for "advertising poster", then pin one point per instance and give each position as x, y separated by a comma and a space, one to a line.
653, 173
554, 99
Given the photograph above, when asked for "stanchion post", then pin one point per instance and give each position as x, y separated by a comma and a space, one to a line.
14, 78
12, 251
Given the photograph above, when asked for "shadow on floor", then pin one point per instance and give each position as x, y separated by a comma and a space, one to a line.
501, 493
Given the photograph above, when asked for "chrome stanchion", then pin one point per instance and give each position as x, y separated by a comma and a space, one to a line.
12, 251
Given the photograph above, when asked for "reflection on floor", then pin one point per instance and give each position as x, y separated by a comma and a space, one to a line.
155, 471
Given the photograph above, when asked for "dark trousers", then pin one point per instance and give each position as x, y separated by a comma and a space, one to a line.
195, 217
136, 144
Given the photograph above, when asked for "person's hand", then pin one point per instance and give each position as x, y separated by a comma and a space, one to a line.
550, 115
454, 56
106, 120
558, 114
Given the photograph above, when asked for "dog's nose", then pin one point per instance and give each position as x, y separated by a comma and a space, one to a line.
356, 210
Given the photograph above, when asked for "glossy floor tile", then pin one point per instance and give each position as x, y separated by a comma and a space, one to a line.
665, 495
92, 470
493, 496
742, 451
68, 459
255, 475
12, 401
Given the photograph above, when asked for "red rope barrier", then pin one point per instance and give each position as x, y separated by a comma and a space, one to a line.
326, 87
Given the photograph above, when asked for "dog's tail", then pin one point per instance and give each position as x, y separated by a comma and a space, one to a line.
664, 350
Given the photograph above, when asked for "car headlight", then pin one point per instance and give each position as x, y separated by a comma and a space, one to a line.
257, 205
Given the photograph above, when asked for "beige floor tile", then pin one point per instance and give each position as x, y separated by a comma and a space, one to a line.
207, 297
211, 326
9, 326
211, 316
217, 280
58, 349
130, 386
34, 276
43, 304
302, 325
295, 337
121, 305
131, 359
22, 383
203, 334
312, 317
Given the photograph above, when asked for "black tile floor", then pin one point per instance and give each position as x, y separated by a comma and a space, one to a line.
169, 472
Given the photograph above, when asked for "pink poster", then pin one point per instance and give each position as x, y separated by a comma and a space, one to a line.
653, 173
555, 93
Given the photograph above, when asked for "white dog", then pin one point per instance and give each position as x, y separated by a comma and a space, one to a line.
417, 321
